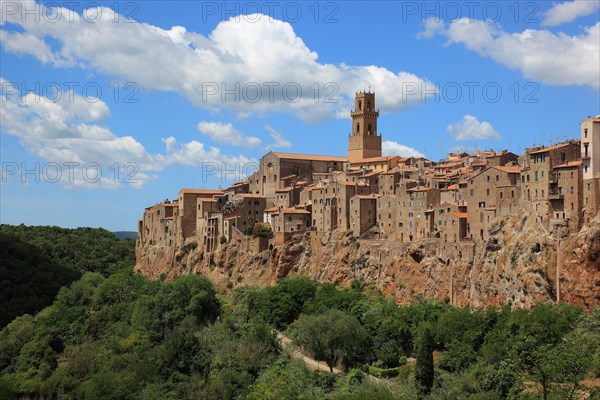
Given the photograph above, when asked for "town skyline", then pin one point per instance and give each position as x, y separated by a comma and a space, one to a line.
169, 126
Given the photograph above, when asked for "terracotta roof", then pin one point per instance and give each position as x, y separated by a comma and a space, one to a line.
272, 209
545, 149
569, 164
251, 195
452, 187
490, 209
309, 157
419, 189
374, 173
367, 196
294, 211
284, 190
348, 183
201, 191
289, 176
375, 159
509, 170
459, 214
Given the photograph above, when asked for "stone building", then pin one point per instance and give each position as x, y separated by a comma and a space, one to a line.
389, 197
485, 190
364, 142
363, 209
590, 157
275, 165
539, 178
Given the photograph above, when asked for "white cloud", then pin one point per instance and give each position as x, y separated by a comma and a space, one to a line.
66, 131
201, 67
391, 148
225, 133
563, 13
279, 140
471, 129
556, 59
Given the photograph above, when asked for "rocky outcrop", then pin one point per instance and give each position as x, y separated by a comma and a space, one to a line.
516, 266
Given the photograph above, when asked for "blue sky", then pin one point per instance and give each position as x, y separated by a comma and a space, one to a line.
137, 87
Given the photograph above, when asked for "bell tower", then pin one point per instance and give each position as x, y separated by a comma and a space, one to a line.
364, 141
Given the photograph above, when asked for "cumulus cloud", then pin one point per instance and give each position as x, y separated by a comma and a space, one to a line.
67, 132
471, 129
278, 140
225, 133
231, 59
391, 148
555, 59
563, 13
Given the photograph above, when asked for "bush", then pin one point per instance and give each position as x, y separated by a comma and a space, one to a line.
223, 240
384, 372
535, 248
263, 230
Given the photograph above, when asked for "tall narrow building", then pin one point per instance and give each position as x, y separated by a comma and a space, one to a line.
364, 141
590, 157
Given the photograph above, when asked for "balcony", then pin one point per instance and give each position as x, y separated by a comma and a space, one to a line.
555, 196
559, 221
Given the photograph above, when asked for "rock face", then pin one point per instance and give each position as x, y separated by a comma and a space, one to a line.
516, 266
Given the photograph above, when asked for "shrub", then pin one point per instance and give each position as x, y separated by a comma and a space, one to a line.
384, 372
263, 231
535, 248
223, 240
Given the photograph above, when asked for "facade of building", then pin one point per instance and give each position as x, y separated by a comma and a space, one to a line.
389, 197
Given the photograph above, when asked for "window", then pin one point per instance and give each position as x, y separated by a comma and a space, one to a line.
501, 194
563, 156
536, 176
497, 178
481, 204
488, 178
572, 190
585, 132
471, 192
512, 193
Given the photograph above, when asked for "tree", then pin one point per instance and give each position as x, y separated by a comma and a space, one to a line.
424, 372
333, 337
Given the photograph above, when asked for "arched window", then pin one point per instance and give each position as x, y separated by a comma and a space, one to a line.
359, 105
369, 130
357, 128
368, 106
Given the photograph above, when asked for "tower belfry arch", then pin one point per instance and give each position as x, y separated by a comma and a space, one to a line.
364, 141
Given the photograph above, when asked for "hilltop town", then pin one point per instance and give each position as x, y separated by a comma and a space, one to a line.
388, 197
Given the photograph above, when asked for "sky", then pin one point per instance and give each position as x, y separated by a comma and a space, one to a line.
110, 107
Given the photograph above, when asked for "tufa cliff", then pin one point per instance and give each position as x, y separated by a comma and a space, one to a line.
516, 265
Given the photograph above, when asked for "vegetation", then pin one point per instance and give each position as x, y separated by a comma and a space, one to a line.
113, 334
37, 261
424, 371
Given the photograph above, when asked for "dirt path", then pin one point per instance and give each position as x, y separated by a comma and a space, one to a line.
311, 363
321, 366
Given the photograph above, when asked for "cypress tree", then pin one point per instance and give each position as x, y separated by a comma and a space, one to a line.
424, 373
